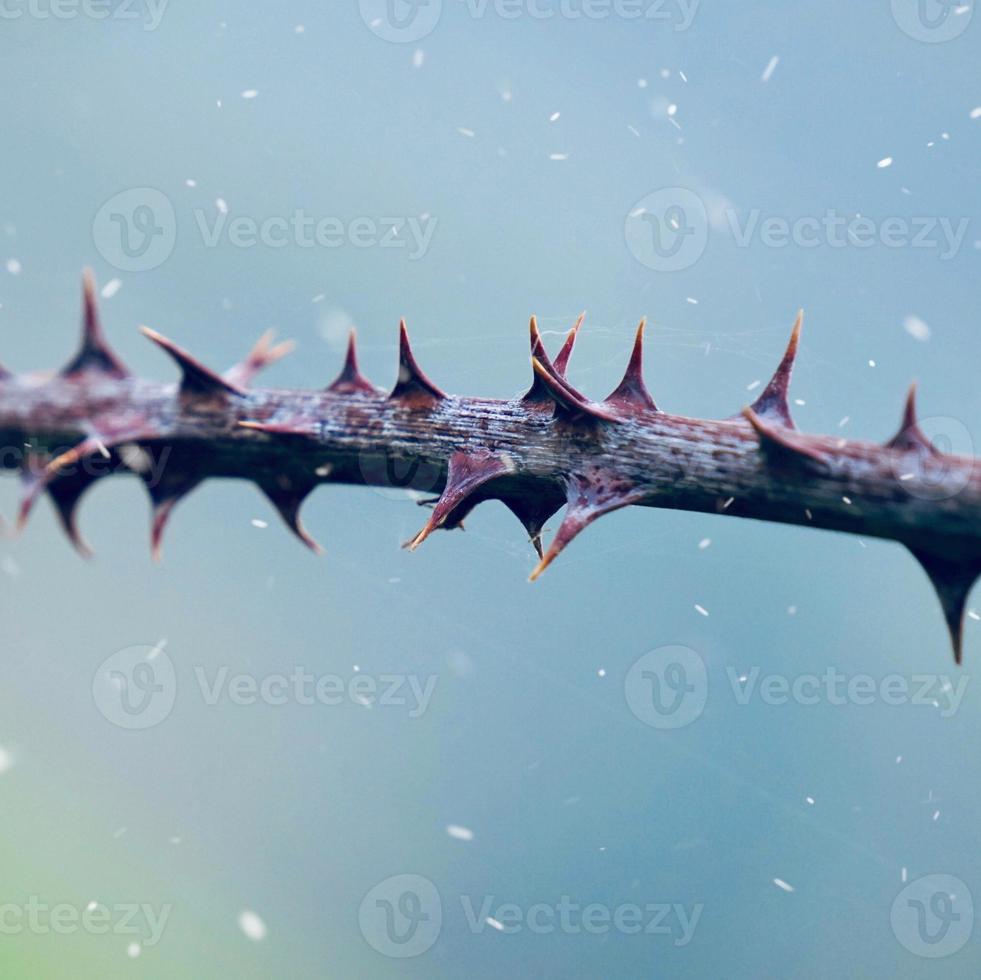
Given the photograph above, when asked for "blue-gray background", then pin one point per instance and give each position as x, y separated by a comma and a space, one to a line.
295, 811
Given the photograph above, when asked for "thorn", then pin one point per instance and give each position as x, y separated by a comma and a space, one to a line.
588, 498
562, 358
196, 379
772, 403
164, 497
66, 495
631, 394
952, 580
94, 354
467, 471
350, 380
538, 393
566, 397
259, 358
412, 383
288, 500
782, 441
910, 436
533, 512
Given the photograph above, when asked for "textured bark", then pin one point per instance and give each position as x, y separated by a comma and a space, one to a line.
553, 446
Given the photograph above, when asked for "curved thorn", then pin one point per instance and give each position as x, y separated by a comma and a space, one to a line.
412, 383
631, 394
566, 397
288, 502
351, 380
94, 354
589, 497
952, 580
196, 379
66, 500
466, 473
783, 441
772, 402
562, 358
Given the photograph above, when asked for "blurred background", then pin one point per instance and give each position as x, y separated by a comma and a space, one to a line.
259, 763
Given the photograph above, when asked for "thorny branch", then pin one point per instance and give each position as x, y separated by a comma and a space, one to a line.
535, 453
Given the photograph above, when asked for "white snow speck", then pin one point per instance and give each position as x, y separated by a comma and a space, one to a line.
191, 182
554, 116
111, 288
809, 800
704, 543
133, 950
459, 833
770, 68
641, 83
299, 29
494, 924
14, 267
976, 112
250, 93
558, 156
973, 615
257, 523
753, 385
418, 58
463, 131
6, 760
701, 610
916, 328
222, 205
884, 162
780, 883
601, 672
253, 927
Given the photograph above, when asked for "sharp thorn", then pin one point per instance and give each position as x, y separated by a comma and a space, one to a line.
787, 443
412, 383
94, 354
196, 379
260, 357
910, 436
631, 394
562, 358
350, 380
772, 402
